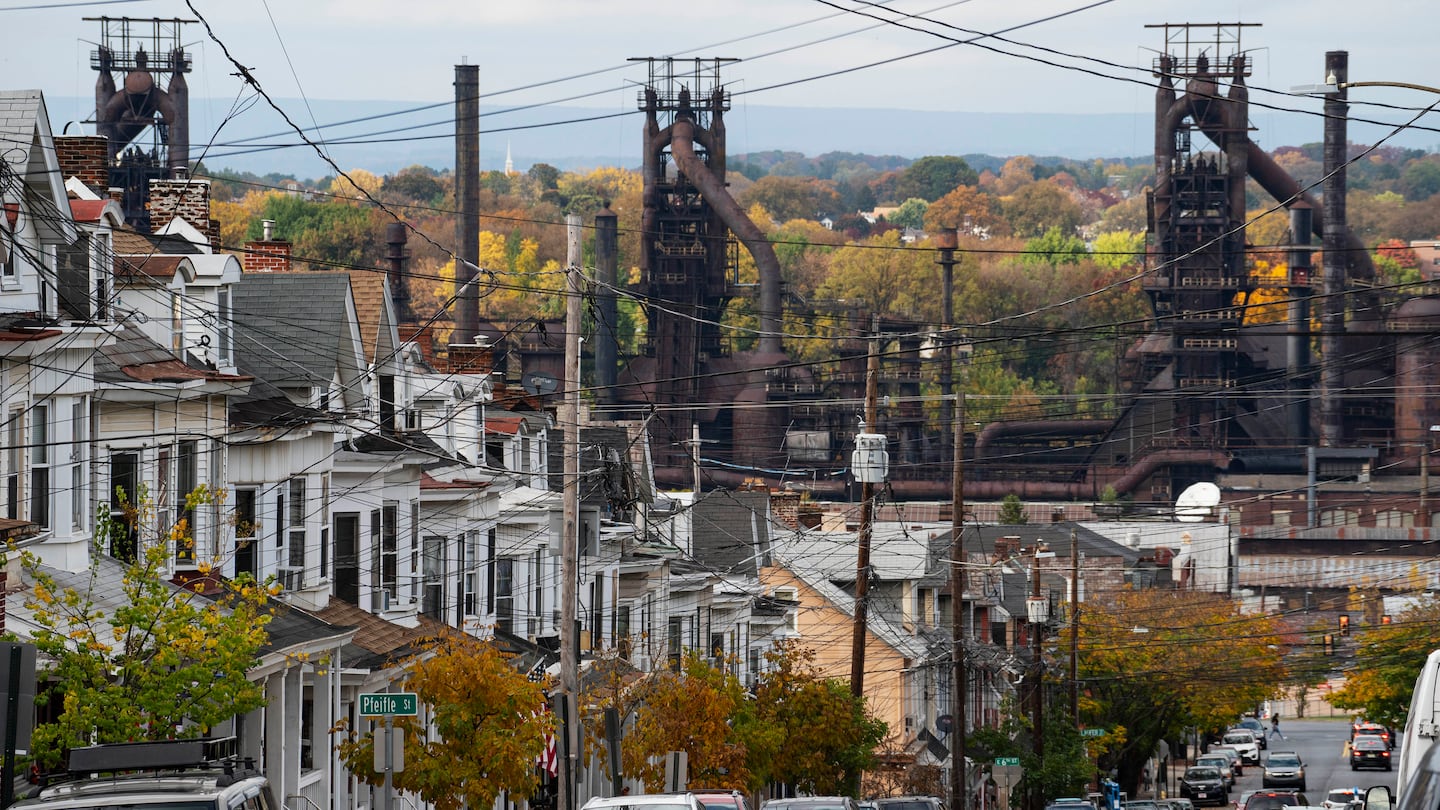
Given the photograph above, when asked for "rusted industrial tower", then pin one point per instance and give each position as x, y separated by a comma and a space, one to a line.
145, 51
688, 262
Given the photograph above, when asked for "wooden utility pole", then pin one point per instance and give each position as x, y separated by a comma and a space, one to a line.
1074, 626
959, 798
867, 520
1035, 801
569, 543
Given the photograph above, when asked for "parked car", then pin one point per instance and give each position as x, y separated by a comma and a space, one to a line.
1227, 771
1243, 741
910, 803
1237, 763
1181, 804
168, 774
811, 803
1274, 799
1284, 769
648, 801
1141, 804
1205, 784
1254, 726
1369, 751
720, 799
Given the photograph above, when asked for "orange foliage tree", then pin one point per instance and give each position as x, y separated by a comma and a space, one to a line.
487, 722
702, 710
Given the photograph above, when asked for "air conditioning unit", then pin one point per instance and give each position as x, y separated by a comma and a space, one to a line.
292, 579
379, 601
532, 627
641, 662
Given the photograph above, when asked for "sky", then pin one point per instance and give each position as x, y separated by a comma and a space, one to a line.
574, 52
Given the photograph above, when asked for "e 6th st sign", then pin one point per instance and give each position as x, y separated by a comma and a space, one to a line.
389, 704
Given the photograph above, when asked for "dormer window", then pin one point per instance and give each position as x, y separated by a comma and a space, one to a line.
225, 345
72, 271
8, 216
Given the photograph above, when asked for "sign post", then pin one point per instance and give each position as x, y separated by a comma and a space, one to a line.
389, 705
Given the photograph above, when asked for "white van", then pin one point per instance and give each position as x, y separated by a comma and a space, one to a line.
1423, 723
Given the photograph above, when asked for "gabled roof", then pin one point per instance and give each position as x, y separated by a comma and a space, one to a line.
732, 530
898, 640
372, 309
155, 265
94, 210
29, 149
293, 327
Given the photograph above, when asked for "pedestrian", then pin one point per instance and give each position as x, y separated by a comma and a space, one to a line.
1275, 725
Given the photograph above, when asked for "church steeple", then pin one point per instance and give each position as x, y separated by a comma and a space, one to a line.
509, 164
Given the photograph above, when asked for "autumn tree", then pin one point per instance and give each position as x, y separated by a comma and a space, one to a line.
165, 663
819, 736
1119, 249
886, 276
910, 214
1056, 247
968, 208
487, 722
787, 198
1037, 207
1158, 661
1389, 658
702, 710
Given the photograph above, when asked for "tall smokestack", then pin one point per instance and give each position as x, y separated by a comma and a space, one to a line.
395, 238
1332, 306
607, 349
1297, 343
467, 193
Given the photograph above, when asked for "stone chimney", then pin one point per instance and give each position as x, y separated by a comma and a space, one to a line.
183, 198
1007, 547
268, 254
84, 157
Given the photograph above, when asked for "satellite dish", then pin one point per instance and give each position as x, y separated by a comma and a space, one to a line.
1197, 502
539, 383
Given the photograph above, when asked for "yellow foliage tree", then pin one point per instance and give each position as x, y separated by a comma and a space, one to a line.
359, 184
488, 722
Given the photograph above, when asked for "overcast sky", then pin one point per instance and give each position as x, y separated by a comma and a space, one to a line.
407, 49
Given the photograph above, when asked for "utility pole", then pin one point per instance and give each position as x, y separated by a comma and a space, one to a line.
1074, 626
867, 519
959, 796
569, 544
1036, 612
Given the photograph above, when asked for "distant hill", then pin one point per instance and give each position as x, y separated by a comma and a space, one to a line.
608, 137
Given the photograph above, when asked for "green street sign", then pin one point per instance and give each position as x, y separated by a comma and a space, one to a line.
1092, 732
389, 703
1013, 762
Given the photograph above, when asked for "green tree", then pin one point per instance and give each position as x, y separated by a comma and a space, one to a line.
821, 737
932, 177
1012, 511
1065, 765
1056, 247
487, 721
910, 214
167, 663
1388, 660
1119, 249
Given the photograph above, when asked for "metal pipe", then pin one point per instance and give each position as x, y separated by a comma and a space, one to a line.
1039, 427
467, 193
682, 148
396, 237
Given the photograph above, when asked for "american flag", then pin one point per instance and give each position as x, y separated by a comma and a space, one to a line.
547, 758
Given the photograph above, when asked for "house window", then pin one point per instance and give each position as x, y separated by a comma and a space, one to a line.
325, 526
524, 454
490, 573
389, 553
432, 595
40, 465
245, 531
717, 647
504, 594
622, 631
225, 345
676, 645
295, 558
79, 444
124, 519
186, 482
347, 556
470, 600
7, 237
15, 430
414, 545
177, 325
597, 612
537, 589
73, 278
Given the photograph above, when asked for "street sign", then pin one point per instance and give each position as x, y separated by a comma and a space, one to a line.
1011, 761
1092, 732
389, 703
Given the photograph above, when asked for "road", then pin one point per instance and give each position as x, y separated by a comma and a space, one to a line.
1321, 746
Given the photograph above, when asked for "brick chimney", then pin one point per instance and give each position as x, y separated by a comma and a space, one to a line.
1007, 547
420, 335
183, 198
268, 254
785, 507
84, 157
471, 358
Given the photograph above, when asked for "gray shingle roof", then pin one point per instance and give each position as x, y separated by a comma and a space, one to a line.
19, 111
288, 326
732, 530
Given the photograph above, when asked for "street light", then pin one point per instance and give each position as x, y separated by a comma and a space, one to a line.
1333, 86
